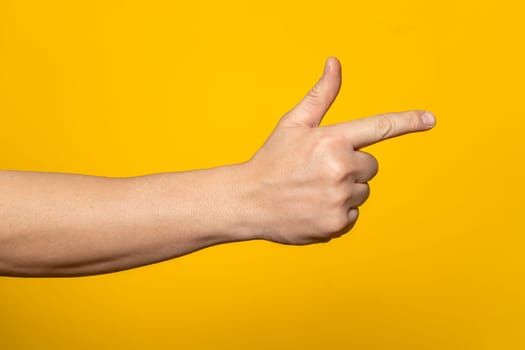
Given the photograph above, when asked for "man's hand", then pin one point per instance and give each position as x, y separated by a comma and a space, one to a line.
310, 180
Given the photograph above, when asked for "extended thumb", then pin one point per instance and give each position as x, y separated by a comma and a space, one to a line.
311, 109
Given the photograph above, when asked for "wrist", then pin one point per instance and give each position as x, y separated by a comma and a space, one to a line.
206, 206
237, 196
250, 217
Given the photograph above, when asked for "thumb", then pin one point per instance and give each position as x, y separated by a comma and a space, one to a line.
312, 108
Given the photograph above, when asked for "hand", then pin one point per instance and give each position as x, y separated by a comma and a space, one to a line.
310, 180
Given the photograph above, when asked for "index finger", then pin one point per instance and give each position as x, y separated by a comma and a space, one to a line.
367, 131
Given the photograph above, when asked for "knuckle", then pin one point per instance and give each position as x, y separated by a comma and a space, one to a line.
336, 223
367, 164
338, 197
413, 120
288, 118
330, 142
338, 171
374, 164
353, 216
334, 168
384, 126
366, 194
315, 91
353, 169
360, 196
315, 97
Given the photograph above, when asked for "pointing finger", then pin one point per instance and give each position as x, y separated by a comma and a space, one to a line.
367, 131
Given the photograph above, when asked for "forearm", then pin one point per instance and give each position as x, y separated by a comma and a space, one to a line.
57, 224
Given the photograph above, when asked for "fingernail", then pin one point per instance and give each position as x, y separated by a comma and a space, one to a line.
428, 119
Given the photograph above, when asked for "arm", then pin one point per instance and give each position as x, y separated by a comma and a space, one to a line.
304, 185
57, 224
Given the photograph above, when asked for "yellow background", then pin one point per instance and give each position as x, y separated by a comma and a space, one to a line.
123, 88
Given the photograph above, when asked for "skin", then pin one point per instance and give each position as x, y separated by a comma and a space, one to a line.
303, 186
